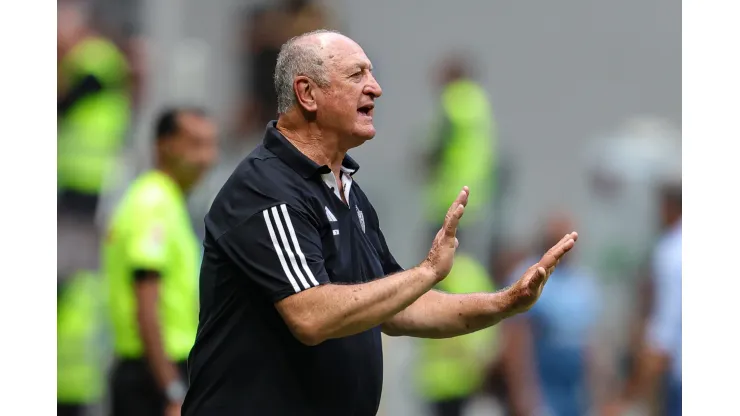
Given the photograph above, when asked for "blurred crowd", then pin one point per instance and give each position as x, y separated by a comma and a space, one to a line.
605, 337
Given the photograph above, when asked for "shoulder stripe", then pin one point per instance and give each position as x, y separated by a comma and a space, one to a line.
293, 237
279, 251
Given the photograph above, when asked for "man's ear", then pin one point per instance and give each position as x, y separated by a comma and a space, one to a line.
305, 92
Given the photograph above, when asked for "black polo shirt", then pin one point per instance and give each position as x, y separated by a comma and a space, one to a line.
276, 228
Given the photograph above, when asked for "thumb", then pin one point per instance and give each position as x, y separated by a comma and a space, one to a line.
540, 274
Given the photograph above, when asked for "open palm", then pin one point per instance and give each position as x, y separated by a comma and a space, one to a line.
529, 287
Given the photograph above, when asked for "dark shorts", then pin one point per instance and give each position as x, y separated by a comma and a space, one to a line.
673, 398
64, 409
451, 407
134, 391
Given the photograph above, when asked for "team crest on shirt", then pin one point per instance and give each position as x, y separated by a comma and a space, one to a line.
155, 243
361, 217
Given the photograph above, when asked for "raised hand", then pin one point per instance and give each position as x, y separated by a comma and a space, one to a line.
529, 287
445, 242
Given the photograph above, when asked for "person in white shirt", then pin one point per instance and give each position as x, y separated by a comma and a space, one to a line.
660, 358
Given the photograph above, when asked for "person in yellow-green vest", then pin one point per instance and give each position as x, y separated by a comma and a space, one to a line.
92, 118
463, 146
80, 375
151, 259
93, 108
451, 370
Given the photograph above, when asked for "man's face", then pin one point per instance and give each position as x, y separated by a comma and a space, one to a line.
346, 105
194, 149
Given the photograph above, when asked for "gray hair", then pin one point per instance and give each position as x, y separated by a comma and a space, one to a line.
299, 58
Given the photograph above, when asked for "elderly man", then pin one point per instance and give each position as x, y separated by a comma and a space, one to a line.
297, 281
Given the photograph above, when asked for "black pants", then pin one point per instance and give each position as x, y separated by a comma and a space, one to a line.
134, 390
64, 409
452, 407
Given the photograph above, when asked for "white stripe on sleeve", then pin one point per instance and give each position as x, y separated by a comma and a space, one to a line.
293, 237
291, 255
279, 252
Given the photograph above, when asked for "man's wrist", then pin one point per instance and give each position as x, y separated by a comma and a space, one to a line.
428, 273
505, 302
175, 391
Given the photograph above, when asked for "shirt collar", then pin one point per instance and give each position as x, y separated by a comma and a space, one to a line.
275, 142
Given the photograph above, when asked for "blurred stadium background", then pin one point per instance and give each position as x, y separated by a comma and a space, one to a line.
585, 104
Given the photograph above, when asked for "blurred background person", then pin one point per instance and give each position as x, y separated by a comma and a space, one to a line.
504, 258
93, 108
624, 171
549, 351
451, 371
266, 27
462, 148
657, 367
92, 120
151, 261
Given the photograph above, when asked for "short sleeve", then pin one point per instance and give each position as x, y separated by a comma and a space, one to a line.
390, 265
279, 249
147, 244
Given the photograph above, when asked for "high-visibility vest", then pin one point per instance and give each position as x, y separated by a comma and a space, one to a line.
468, 154
455, 367
91, 134
80, 374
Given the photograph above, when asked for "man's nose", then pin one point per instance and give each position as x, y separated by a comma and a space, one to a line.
373, 88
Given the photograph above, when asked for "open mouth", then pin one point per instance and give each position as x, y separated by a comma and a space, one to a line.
366, 110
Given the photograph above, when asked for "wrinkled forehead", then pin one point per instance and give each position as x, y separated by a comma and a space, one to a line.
343, 54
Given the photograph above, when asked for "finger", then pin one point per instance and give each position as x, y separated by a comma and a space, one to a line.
451, 223
463, 196
456, 211
566, 244
557, 251
461, 199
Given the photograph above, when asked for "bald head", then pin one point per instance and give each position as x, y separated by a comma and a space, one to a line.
307, 55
